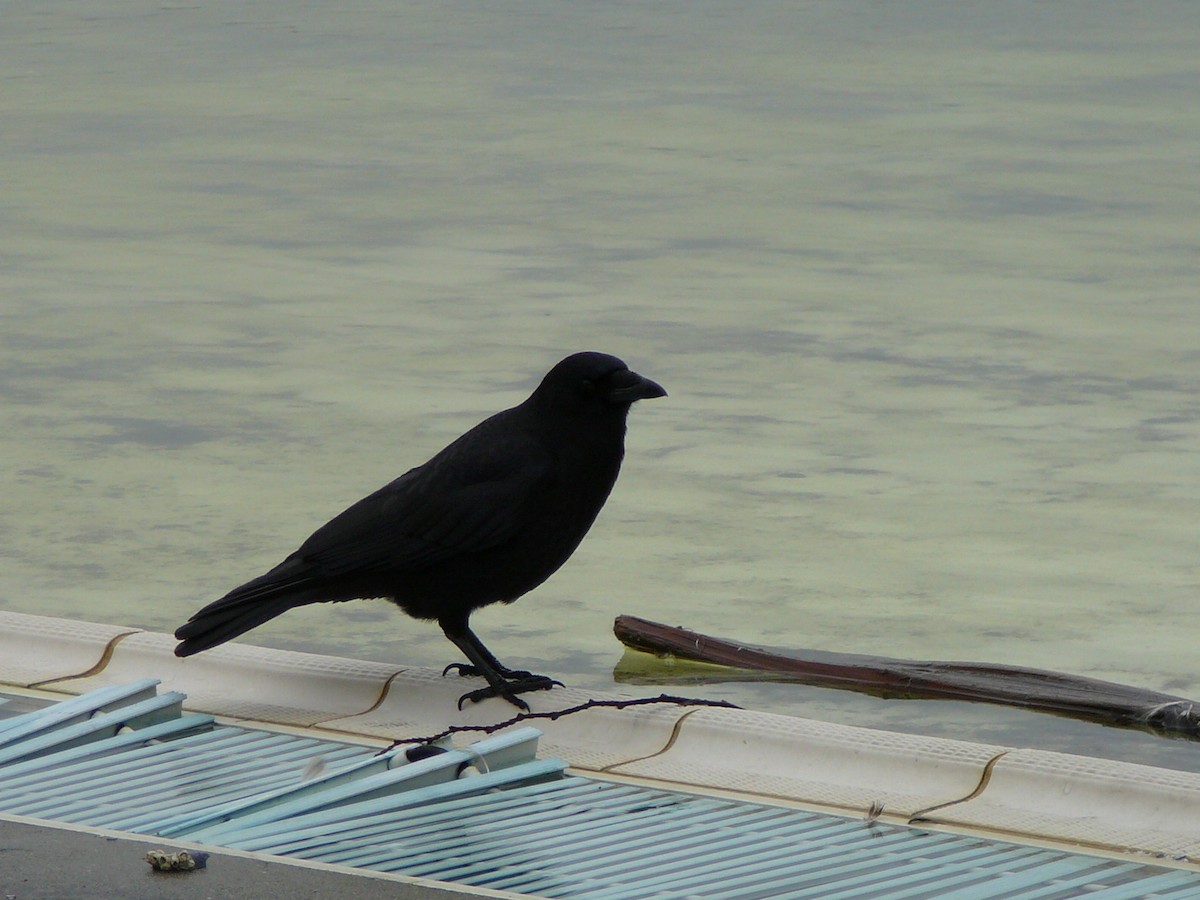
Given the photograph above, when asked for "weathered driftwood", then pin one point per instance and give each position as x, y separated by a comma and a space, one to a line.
1047, 691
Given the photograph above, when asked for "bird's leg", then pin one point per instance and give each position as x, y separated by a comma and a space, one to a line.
502, 681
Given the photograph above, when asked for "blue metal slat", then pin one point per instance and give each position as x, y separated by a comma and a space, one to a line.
858, 881
484, 822
660, 862
678, 843
720, 862
727, 858
75, 710
172, 779
651, 841
991, 873
676, 857
620, 882
576, 805
147, 712
1095, 878
818, 867
498, 752
246, 788
560, 806
335, 777
123, 742
389, 811
949, 857
263, 836
390, 826
964, 871
1058, 877
194, 789
171, 768
863, 871
469, 816
1177, 884
84, 768
249, 763
81, 706
579, 853
438, 769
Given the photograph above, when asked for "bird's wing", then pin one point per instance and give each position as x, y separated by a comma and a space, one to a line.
474, 495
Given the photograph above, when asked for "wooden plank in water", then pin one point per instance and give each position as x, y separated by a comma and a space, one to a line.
1039, 689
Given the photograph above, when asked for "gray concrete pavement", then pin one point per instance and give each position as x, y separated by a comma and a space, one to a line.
46, 863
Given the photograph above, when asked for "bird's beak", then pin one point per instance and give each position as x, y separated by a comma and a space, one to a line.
630, 386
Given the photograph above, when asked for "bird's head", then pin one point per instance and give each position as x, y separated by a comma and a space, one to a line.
596, 382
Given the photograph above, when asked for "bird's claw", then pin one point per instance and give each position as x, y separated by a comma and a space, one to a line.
466, 670
510, 689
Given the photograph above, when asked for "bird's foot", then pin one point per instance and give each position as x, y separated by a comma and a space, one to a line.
466, 670
510, 688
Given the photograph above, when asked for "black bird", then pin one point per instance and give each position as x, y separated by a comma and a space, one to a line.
487, 519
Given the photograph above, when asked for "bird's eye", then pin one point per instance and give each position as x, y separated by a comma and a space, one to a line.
587, 387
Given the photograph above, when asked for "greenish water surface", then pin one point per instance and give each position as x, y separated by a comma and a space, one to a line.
921, 280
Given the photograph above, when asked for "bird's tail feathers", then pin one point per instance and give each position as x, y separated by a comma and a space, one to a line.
245, 607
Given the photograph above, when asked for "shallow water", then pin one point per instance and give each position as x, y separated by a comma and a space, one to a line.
920, 280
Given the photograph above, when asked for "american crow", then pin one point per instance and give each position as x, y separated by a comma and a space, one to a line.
488, 519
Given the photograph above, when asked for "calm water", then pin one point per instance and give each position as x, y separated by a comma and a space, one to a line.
920, 278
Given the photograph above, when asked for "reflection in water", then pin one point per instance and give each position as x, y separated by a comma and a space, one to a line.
921, 279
